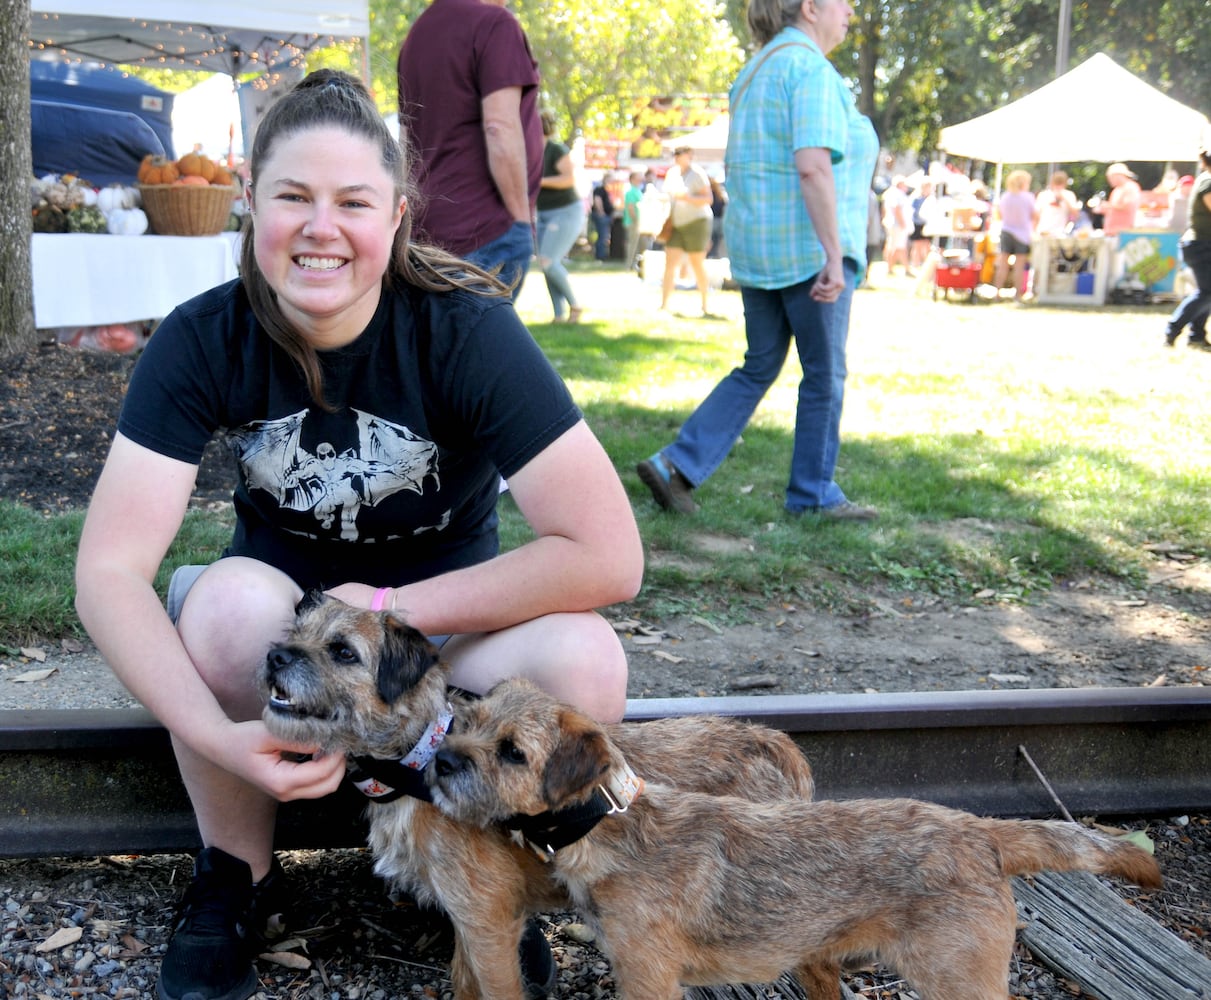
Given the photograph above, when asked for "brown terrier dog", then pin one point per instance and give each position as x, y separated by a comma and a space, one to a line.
689, 889
366, 684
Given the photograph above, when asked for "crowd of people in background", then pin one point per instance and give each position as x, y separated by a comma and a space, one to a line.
916, 220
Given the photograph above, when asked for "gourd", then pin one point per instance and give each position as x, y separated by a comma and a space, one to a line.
117, 196
192, 179
127, 222
157, 170
197, 165
49, 219
86, 219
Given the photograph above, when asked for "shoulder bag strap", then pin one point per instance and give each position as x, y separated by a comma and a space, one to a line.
744, 86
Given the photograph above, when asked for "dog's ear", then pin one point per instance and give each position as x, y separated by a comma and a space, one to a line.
311, 599
407, 656
580, 760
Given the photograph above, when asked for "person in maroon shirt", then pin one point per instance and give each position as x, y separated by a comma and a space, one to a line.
468, 93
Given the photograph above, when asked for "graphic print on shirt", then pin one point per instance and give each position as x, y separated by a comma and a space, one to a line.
334, 485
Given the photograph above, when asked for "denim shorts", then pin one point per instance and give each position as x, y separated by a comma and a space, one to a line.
183, 578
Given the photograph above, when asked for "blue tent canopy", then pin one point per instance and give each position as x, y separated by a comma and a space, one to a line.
95, 121
103, 147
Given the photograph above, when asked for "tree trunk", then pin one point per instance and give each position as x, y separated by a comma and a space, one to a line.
17, 333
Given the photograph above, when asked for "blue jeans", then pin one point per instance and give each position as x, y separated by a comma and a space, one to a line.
1195, 307
512, 251
601, 231
557, 232
773, 317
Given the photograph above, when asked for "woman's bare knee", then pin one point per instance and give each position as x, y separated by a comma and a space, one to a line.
578, 658
231, 615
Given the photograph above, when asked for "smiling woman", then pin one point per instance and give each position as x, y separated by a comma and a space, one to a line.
367, 386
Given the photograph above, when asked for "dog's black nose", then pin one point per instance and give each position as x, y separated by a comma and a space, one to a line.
447, 762
278, 658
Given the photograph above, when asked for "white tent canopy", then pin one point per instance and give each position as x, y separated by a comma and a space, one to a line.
225, 36
708, 142
1096, 112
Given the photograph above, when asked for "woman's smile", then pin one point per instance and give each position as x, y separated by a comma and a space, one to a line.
325, 223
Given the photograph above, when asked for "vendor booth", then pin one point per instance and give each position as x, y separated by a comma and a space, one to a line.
131, 278
1096, 112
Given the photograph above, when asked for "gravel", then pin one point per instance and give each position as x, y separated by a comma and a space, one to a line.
97, 927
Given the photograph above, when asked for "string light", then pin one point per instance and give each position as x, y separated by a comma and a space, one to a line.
184, 45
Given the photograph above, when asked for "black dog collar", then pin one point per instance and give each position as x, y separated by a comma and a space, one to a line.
385, 780
555, 829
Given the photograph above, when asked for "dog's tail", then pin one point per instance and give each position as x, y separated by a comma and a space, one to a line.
1029, 846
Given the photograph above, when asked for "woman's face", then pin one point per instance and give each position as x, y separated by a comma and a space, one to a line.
325, 216
831, 22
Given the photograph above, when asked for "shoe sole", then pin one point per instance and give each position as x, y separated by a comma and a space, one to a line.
241, 991
849, 515
662, 492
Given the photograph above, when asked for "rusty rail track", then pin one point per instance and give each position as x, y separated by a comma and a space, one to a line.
83, 783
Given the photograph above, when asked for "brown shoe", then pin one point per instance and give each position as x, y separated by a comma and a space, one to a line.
670, 489
844, 511
847, 511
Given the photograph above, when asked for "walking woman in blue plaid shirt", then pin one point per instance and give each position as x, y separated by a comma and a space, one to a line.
799, 163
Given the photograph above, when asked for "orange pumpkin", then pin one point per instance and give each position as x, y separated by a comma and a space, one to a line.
157, 170
196, 165
222, 176
192, 180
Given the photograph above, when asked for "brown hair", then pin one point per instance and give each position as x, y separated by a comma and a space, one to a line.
332, 98
767, 17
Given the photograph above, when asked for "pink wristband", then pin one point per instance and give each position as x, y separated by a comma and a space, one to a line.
380, 598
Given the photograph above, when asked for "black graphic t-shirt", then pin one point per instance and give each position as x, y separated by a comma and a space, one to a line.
440, 396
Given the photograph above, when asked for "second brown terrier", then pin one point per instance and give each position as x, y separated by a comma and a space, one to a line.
696, 890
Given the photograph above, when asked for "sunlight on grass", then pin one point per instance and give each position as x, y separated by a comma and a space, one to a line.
1065, 432
1007, 448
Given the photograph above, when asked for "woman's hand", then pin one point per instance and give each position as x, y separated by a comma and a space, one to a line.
264, 760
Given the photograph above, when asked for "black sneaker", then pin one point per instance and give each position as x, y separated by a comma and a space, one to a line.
210, 954
538, 971
271, 904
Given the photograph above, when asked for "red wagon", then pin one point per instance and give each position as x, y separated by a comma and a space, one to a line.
963, 277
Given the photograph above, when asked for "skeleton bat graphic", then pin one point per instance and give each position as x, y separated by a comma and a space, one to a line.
389, 458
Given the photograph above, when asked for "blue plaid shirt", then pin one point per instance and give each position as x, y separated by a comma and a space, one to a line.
796, 100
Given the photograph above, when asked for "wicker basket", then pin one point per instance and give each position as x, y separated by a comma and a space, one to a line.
187, 209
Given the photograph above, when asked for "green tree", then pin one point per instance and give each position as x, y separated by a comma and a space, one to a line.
595, 56
598, 56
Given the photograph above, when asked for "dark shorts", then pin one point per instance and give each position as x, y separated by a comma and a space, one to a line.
1010, 244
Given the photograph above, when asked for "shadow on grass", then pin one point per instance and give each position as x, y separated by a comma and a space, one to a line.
959, 513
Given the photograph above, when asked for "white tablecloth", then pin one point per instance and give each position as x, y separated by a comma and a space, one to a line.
84, 280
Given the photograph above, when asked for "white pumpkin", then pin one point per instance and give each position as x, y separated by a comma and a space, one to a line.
117, 196
127, 221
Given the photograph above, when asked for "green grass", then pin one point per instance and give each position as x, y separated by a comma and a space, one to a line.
1009, 450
